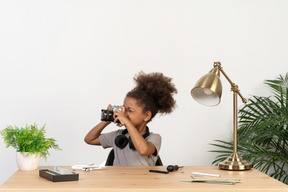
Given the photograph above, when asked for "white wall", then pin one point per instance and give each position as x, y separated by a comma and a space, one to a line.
62, 61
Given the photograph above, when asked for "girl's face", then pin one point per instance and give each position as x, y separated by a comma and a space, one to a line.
135, 113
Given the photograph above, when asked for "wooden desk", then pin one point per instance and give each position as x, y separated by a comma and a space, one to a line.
140, 179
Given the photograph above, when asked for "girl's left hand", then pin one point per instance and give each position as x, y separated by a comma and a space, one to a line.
121, 116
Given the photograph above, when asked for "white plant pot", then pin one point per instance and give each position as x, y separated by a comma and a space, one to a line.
31, 162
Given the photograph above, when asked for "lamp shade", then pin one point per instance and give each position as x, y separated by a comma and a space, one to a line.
208, 90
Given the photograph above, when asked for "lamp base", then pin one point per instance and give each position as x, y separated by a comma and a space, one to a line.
235, 163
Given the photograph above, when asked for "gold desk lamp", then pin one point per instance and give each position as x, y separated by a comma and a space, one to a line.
208, 91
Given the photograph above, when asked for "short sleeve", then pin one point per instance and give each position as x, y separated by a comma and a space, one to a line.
155, 139
107, 139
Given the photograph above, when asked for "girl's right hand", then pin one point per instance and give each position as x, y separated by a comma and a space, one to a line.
108, 108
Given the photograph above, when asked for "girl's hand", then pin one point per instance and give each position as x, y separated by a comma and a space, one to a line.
108, 108
121, 116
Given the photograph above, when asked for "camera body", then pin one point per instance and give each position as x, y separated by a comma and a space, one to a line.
107, 114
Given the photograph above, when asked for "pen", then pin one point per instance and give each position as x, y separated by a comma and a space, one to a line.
203, 174
212, 182
158, 171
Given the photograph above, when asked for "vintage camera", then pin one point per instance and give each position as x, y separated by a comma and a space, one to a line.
107, 114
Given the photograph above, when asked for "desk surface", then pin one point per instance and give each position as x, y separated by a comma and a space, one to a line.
140, 179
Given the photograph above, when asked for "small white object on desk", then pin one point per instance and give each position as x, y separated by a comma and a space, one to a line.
89, 167
194, 174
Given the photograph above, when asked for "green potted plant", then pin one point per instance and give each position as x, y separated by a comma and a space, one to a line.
30, 143
263, 132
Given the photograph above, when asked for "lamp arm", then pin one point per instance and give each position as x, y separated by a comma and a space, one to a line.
234, 87
234, 162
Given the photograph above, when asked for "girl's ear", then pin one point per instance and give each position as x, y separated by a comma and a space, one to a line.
148, 115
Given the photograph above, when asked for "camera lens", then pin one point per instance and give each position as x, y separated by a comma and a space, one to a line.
107, 115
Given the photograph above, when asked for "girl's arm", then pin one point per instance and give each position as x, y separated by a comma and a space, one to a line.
92, 136
143, 147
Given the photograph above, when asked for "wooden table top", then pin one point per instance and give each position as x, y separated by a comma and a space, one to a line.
140, 179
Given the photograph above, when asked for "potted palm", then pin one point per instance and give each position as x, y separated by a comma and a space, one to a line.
263, 132
30, 143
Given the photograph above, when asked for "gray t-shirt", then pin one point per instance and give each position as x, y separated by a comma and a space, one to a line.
127, 156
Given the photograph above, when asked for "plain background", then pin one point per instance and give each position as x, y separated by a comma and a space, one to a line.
62, 61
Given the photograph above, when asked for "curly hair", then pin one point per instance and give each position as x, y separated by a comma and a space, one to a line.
154, 92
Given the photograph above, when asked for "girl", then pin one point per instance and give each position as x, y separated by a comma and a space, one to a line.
135, 145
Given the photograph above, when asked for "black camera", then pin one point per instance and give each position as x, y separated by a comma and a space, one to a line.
107, 114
